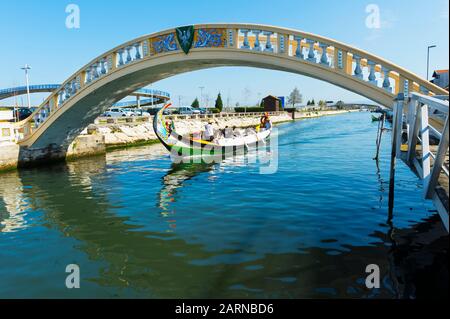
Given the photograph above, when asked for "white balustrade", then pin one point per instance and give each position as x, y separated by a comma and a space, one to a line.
386, 81
137, 48
268, 47
372, 77
358, 70
256, 45
324, 56
298, 51
311, 54
120, 54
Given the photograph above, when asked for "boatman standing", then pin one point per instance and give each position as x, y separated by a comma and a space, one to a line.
209, 131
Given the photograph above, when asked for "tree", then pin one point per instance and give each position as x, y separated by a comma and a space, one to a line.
322, 103
195, 104
340, 105
295, 97
313, 102
219, 104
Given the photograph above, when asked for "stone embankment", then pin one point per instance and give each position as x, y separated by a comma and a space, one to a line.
141, 132
109, 133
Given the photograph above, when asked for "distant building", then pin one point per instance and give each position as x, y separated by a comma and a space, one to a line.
440, 78
271, 103
282, 100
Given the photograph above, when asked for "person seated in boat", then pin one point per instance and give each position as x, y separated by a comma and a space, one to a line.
236, 132
227, 132
170, 126
262, 120
209, 131
266, 124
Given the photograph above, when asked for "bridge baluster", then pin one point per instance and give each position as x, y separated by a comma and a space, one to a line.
120, 53
372, 76
298, 51
324, 56
60, 101
78, 82
256, 45
94, 71
129, 59
88, 75
67, 91
268, 47
103, 66
245, 44
358, 69
311, 54
386, 82
137, 47
74, 86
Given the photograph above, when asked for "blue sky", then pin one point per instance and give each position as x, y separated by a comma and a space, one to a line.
34, 32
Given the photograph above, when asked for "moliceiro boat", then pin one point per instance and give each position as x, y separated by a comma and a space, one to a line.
194, 145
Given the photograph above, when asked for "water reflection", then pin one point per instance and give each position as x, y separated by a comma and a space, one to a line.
174, 179
156, 264
12, 218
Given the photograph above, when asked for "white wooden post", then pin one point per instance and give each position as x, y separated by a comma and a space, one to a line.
413, 130
438, 161
425, 136
395, 150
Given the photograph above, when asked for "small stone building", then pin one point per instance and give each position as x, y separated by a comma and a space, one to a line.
271, 104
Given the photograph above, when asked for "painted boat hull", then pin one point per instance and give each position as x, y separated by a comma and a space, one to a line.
182, 146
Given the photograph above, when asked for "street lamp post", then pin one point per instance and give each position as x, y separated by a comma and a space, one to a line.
26, 68
201, 95
428, 58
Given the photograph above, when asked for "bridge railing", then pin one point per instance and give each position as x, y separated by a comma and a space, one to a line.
301, 46
413, 124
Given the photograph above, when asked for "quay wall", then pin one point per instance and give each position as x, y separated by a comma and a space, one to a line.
123, 134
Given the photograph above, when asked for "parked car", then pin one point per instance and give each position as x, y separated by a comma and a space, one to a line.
140, 112
204, 111
188, 110
153, 110
116, 112
23, 112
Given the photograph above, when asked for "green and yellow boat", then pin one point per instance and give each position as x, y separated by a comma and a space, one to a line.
185, 146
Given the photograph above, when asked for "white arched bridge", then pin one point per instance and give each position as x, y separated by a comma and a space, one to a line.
117, 73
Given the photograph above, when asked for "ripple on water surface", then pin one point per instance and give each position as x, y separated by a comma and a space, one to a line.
139, 226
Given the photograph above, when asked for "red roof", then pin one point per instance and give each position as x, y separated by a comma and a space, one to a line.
441, 71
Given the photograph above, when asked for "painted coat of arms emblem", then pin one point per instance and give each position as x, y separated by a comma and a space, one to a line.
185, 36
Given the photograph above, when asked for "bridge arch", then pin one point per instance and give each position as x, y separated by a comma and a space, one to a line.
137, 63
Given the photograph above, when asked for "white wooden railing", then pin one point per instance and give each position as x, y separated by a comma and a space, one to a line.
413, 123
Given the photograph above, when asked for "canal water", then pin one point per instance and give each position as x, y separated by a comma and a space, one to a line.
139, 226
